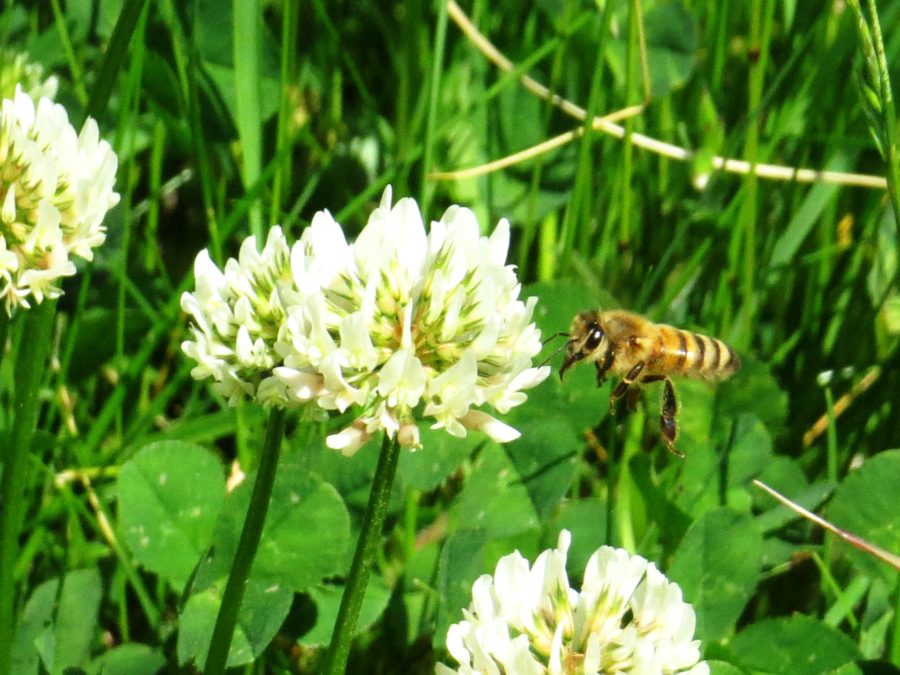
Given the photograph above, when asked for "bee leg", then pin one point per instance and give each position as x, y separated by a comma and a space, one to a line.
622, 387
603, 367
668, 412
632, 397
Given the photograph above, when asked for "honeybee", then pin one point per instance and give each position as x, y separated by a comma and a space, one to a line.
637, 350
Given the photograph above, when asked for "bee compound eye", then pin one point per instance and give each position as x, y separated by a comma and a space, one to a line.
595, 337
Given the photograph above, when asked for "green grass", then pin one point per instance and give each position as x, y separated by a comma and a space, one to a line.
227, 121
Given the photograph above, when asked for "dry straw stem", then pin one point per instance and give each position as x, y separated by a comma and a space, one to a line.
105, 527
607, 125
852, 539
534, 150
841, 405
67, 476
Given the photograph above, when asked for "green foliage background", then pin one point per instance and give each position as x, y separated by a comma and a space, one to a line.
229, 118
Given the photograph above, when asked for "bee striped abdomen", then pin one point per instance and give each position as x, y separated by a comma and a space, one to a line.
694, 354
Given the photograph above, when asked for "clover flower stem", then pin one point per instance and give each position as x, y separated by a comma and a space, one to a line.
626, 500
366, 549
893, 651
217, 657
4, 332
30, 370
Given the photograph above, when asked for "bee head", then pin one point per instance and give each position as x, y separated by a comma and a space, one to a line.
585, 338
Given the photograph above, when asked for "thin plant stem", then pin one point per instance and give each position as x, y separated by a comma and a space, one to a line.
30, 368
894, 644
366, 550
4, 333
626, 196
889, 114
246, 37
627, 498
535, 150
64, 39
440, 39
286, 134
119, 44
220, 644
188, 69
761, 18
877, 552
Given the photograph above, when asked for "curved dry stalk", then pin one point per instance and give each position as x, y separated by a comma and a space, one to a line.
533, 151
841, 405
858, 542
738, 166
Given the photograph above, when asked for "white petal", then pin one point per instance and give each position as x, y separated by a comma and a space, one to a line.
386, 197
592, 655
555, 666
518, 602
491, 426
349, 440
402, 380
356, 340
8, 213
408, 435
303, 386
499, 242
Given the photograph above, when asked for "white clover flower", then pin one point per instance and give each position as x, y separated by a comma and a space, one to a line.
398, 325
404, 325
237, 315
17, 69
55, 188
627, 618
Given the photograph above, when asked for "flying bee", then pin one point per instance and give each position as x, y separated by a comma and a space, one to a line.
639, 351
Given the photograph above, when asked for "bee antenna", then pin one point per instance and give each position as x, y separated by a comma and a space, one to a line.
557, 351
553, 337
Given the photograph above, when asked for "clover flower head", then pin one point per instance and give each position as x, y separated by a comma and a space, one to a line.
237, 314
408, 324
56, 186
398, 325
17, 69
627, 618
